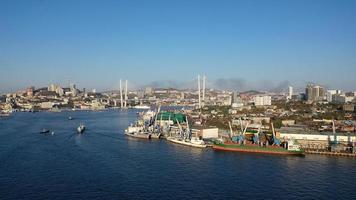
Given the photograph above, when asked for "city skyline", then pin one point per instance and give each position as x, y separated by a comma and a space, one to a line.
247, 45
177, 99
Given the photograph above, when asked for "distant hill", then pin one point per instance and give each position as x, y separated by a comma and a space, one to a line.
251, 92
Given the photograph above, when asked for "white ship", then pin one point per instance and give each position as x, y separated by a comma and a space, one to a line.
145, 127
185, 138
139, 131
193, 142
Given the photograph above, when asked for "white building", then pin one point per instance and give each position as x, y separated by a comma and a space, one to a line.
341, 98
207, 133
317, 137
46, 105
330, 93
237, 105
290, 92
262, 100
56, 88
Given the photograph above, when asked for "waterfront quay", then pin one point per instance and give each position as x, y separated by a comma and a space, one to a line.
318, 119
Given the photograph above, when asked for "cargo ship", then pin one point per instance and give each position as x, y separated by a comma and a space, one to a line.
193, 142
146, 127
185, 137
292, 149
139, 132
260, 142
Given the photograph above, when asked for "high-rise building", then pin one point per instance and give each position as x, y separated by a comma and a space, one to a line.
29, 91
331, 93
73, 89
322, 93
262, 100
290, 93
149, 91
56, 88
235, 97
314, 93
308, 92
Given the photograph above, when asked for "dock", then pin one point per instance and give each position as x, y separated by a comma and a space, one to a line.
330, 153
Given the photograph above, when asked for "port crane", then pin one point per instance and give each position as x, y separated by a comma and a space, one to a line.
181, 133
240, 138
335, 146
256, 136
276, 141
188, 132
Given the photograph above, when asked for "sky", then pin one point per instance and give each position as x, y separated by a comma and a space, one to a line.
239, 45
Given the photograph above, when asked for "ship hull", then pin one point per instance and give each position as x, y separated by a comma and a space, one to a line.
143, 135
186, 143
257, 149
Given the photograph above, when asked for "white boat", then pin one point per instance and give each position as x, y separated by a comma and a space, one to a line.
142, 107
194, 142
81, 128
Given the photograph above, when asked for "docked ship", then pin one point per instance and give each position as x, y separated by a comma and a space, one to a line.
185, 137
146, 127
139, 131
193, 142
272, 145
292, 149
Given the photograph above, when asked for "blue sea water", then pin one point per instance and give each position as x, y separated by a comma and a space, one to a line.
103, 163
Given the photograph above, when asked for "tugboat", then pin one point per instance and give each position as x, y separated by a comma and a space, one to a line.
81, 128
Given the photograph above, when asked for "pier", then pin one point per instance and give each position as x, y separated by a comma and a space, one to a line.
330, 153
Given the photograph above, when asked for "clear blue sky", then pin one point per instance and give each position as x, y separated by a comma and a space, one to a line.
94, 43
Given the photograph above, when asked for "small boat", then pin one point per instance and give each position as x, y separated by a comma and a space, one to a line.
70, 118
45, 130
81, 128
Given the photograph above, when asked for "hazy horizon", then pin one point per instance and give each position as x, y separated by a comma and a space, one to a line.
242, 45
